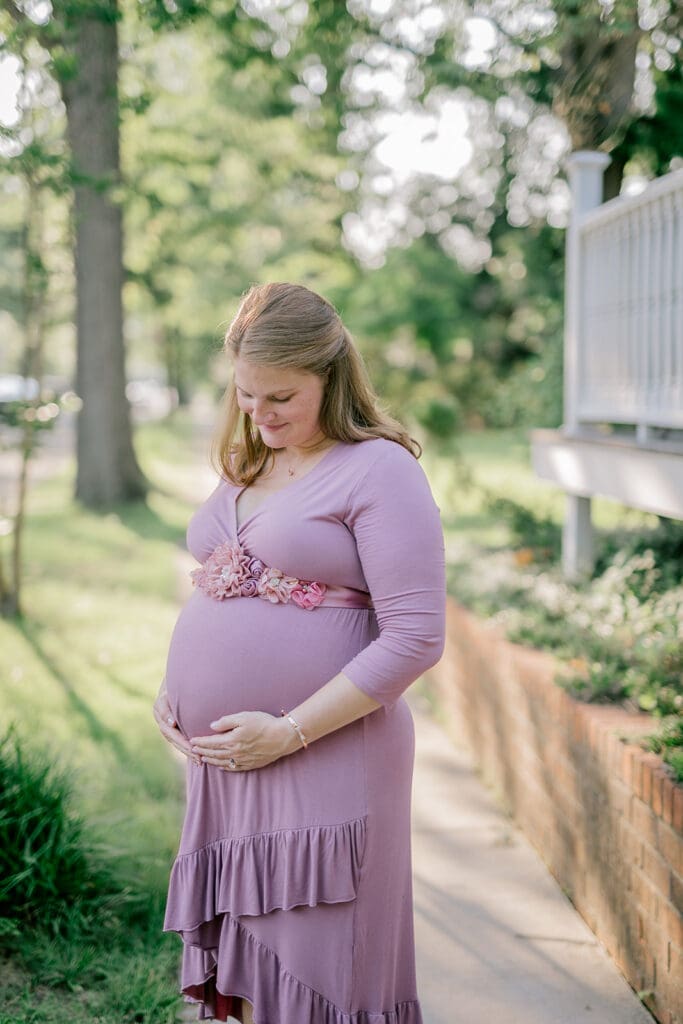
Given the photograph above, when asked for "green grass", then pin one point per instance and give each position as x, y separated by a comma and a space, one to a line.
78, 677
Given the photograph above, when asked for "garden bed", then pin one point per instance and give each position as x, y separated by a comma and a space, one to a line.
605, 814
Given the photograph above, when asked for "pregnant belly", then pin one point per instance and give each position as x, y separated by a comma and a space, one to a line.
246, 654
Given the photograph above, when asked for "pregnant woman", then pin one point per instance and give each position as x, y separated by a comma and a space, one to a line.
319, 599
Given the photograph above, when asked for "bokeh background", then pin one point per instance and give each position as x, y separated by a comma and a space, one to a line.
406, 159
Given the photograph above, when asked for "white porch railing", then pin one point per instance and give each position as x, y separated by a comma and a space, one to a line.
623, 355
629, 359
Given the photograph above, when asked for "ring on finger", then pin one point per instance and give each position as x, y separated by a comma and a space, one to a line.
231, 762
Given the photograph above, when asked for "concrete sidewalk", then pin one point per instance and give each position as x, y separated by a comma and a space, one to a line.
497, 940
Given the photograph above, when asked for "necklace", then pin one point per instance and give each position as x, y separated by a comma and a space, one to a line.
291, 470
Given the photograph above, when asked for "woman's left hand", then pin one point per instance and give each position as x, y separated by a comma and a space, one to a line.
252, 739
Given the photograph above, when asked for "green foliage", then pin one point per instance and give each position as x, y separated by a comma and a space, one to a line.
617, 635
442, 418
529, 529
231, 171
664, 541
530, 395
122, 975
656, 138
47, 863
668, 743
16, 416
80, 675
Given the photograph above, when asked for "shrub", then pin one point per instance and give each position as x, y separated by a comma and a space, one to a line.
619, 633
48, 866
531, 531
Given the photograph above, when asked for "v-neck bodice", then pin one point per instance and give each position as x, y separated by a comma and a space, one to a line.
308, 529
240, 526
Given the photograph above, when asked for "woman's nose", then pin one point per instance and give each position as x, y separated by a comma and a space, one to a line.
261, 414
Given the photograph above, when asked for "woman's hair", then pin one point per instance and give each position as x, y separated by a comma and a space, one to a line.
289, 326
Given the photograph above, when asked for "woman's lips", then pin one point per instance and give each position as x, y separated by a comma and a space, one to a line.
278, 427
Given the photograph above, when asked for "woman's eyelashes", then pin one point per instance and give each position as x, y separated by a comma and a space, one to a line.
245, 395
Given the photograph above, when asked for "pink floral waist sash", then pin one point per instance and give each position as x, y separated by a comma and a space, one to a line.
230, 571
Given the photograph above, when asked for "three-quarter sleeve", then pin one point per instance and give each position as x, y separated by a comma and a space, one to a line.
397, 528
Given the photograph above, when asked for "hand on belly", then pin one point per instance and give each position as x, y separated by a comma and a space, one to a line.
247, 740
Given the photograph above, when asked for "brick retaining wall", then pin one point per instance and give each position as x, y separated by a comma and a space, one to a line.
605, 815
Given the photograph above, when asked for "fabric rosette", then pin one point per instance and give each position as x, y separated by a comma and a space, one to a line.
230, 571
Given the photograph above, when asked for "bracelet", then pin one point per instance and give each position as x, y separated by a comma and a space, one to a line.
304, 741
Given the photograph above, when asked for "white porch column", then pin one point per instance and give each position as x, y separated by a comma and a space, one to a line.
577, 537
585, 170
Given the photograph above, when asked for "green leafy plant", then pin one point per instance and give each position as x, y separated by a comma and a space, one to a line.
530, 530
49, 867
618, 633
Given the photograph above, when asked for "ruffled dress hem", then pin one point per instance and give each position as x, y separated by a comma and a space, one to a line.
248, 967
252, 875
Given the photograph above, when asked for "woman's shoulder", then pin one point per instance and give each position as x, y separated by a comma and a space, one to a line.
386, 474
379, 461
384, 450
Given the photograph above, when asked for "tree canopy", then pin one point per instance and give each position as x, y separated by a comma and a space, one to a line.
404, 158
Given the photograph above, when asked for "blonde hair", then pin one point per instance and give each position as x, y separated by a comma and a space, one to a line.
290, 326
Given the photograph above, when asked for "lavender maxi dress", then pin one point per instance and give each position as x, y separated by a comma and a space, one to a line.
292, 886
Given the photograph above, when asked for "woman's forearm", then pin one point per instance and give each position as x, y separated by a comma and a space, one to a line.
336, 704
245, 740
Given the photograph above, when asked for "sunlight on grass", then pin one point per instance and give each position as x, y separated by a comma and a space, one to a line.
78, 677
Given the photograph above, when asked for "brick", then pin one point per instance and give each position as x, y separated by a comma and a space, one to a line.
576, 725
672, 923
614, 747
678, 809
658, 943
594, 729
637, 776
676, 891
674, 962
657, 870
605, 748
645, 822
628, 754
675, 968
649, 763
670, 845
598, 786
656, 803
620, 797
645, 894
631, 844
667, 798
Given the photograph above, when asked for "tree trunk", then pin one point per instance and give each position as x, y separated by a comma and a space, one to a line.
107, 468
594, 91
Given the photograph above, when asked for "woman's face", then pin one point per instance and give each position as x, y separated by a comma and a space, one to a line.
283, 404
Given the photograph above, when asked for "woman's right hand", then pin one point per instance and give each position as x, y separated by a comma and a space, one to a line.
168, 727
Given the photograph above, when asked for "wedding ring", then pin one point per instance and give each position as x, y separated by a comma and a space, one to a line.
169, 720
231, 762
